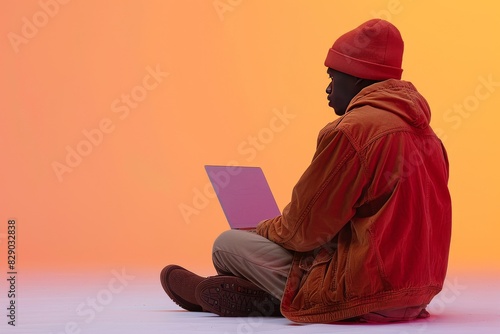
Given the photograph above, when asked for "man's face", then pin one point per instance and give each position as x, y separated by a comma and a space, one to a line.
341, 90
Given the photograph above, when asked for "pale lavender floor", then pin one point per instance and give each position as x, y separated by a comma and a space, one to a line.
133, 301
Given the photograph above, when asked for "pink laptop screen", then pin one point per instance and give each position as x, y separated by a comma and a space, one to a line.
244, 195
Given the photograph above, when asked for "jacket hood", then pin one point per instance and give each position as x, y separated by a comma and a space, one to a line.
397, 97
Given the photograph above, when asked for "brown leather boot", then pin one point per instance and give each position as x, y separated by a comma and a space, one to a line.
230, 296
180, 285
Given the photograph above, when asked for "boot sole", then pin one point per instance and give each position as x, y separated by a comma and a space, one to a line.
230, 296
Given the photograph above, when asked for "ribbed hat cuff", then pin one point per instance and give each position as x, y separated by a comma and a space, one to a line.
360, 68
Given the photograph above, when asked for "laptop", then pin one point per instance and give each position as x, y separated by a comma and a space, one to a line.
244, 195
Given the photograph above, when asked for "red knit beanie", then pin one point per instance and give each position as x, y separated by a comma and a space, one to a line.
374, 51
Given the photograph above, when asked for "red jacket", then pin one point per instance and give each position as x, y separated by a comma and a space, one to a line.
370, 219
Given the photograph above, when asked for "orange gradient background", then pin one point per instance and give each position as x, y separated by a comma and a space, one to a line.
225, 73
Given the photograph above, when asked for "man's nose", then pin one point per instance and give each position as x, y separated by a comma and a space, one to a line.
329, 89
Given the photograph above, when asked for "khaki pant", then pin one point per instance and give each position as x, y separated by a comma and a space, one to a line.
255, 258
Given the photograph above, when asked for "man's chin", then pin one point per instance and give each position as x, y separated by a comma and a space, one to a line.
336, 110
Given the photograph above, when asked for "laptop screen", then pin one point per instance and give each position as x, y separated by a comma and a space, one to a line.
244, 195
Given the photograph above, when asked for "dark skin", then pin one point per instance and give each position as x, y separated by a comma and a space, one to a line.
343, 88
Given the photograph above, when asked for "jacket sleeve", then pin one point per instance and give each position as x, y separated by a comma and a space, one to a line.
324, 198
